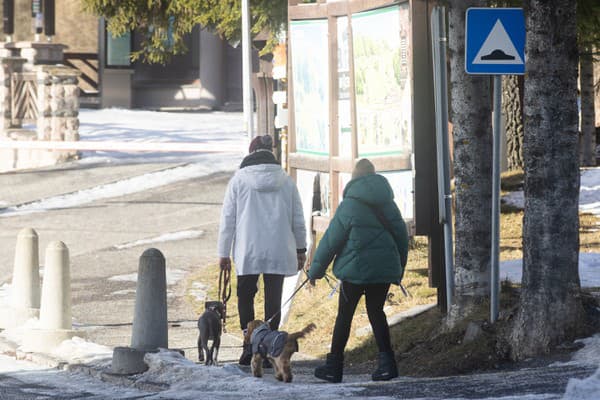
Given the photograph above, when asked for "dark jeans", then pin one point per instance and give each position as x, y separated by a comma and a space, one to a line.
247, 288
375, 295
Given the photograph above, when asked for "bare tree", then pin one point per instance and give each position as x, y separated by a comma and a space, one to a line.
471, 111
550, 309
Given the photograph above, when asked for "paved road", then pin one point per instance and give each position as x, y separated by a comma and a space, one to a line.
103, 287
103, 290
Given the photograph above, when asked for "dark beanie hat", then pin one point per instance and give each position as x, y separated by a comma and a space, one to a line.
261, 142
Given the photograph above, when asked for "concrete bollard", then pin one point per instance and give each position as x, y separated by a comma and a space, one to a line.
150, 324
55, 311
25, 287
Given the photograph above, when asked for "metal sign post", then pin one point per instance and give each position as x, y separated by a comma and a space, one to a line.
247, 70
438, 37
495, 45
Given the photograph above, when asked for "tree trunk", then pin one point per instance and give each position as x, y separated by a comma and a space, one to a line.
588, 115
550, 310
471, 111
512, 112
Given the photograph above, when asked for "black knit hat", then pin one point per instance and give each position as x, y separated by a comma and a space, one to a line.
264, 142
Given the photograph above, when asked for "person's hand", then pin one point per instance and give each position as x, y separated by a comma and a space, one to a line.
225, 263
301, 260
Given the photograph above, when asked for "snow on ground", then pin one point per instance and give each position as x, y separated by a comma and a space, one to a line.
589, 202
114, 124
119, 125
589, 270
34, 374
186, 379
173, 276
589, 193
167, 237
212, 164
584, 389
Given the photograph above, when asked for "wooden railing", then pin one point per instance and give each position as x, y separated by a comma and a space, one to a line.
87, 64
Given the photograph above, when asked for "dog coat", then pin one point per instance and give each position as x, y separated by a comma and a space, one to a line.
265, 341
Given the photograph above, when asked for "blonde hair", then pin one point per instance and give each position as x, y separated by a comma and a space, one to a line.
363, 167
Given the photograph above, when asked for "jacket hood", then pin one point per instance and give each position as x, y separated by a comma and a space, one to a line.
263, 177
371, 189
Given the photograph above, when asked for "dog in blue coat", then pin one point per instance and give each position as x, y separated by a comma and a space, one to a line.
276, 346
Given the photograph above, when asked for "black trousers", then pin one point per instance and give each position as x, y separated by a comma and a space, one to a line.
247, 286
375, 295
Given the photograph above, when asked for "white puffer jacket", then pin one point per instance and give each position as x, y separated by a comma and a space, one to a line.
262, 220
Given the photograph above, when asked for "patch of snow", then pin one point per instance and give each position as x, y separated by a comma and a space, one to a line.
167, 237
218, 163
124, 278
589, 270
589, 193
584, 389
173, 276
78, 350
187, 380
121, 292
198, 291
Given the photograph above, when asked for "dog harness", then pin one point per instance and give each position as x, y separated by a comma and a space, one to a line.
265, 341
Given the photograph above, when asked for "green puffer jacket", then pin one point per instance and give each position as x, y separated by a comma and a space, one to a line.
365, 252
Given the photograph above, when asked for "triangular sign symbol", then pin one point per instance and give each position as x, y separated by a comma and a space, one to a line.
498, 48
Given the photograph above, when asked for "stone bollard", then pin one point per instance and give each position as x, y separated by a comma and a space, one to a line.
25, 288
55, 311
150, 324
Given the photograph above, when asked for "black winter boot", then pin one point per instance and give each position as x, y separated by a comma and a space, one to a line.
246, 356
387, 368
333, 369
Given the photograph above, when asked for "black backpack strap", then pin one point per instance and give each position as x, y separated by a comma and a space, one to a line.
382, 219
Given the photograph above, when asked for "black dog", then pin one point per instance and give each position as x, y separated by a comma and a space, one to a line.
210, 327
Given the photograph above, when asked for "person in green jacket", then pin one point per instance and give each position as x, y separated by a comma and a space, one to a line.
368, 242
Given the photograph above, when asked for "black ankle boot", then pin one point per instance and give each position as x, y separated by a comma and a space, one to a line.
387, 368
333, 369
246, 356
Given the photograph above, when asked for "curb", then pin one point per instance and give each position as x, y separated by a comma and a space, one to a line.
98, 369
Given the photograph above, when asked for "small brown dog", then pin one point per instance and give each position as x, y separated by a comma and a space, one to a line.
279, 350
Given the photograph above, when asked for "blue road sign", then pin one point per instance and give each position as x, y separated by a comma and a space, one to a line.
495, 41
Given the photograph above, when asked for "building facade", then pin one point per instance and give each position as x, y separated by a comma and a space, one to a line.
208, 76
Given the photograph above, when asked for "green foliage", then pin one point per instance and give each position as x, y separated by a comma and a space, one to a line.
588, 25
163, 24
224, 17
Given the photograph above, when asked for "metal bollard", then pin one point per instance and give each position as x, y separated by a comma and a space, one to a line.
25, 287
150, 324
55, 310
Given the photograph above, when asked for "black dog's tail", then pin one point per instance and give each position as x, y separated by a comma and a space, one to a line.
300, 334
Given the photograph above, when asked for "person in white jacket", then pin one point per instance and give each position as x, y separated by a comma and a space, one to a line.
262, 226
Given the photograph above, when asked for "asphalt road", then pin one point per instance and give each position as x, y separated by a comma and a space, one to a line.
103, 304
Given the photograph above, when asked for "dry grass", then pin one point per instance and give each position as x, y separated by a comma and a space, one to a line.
318, 306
